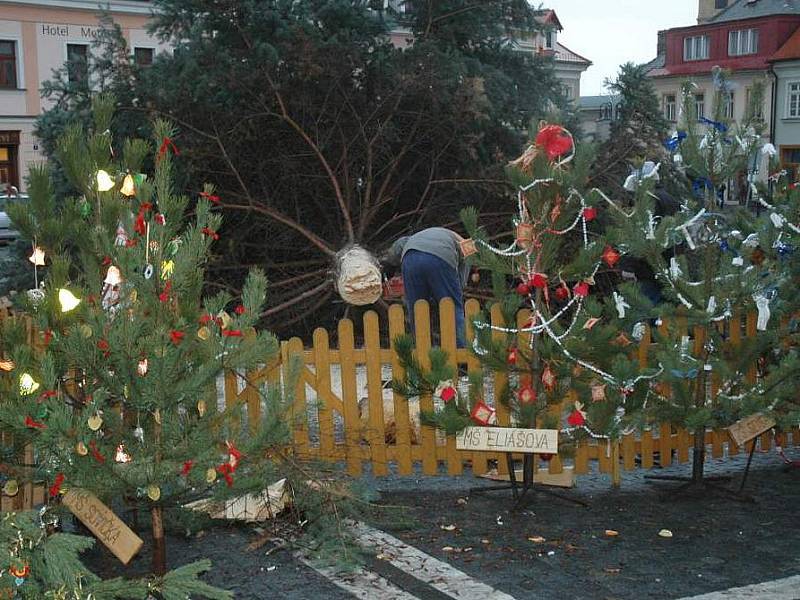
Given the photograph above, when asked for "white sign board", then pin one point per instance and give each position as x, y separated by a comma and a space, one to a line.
508, 439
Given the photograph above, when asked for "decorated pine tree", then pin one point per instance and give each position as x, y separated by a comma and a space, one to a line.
696, 270
118, 396
555, 273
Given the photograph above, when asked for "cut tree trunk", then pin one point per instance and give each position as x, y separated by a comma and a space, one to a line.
699, 455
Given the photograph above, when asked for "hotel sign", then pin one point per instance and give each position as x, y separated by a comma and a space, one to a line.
60, 30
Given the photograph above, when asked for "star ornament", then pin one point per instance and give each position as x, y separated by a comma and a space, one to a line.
483, 414
548, 378
37, 257
526, 394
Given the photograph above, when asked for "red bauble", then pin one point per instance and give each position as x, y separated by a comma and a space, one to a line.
448, 394
581, 289
554, 140
523, 289
562, 293
590, 213
538, 280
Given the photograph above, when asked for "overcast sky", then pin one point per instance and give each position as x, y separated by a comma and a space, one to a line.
612, 33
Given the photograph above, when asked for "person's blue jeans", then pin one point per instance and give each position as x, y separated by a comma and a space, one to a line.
428, 277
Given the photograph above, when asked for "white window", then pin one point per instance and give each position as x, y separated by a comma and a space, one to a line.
670, 107
700, 105
607, 112
8, 64
743, 41
728, 106
550, 39
695, 47
793, 100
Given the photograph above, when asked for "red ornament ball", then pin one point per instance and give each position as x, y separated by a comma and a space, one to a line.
523, 289
590, 213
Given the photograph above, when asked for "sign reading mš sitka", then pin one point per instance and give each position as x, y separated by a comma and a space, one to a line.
103, 523
508, 439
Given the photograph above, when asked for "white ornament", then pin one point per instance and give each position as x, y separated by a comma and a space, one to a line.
768, 150
777, 220
738, 261
638, 331
751, 241
712, 305
620, 304
674, 268
762, 305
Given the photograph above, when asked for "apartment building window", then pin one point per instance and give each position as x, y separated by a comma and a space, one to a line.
743, 41
695, 47
143, 57
790, 160
728, 106
78, 63
607, 112
758, 109
793, 100
8, 64
700, 105
670, 107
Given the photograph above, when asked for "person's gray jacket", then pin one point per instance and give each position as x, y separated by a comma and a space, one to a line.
437, 241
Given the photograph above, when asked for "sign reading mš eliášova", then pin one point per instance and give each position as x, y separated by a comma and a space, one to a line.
508, 439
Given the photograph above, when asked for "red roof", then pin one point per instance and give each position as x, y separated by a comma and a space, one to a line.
547, 16
790, 50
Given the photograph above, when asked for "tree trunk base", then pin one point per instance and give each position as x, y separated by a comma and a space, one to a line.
159, 565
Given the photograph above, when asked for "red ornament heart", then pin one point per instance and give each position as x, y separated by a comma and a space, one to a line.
448, 394
523, 289
576, 418
554, 140
562, 293
581, 289
590, 213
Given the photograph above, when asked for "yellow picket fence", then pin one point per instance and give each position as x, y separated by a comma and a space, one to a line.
345, 410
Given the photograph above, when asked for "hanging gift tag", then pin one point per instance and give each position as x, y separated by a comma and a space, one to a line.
524, 235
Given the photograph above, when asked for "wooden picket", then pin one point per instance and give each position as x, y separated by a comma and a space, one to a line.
380, 441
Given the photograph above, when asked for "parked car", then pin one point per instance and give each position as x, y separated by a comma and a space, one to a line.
7, 232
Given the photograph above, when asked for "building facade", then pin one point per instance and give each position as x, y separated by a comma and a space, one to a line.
786, 101
597, 113
38, 37
741, 36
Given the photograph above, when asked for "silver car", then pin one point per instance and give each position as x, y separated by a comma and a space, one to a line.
7, 232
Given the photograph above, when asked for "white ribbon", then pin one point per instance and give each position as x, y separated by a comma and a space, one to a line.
762, 304
777, 220
674, 268
712, 305
768, 150
620, 304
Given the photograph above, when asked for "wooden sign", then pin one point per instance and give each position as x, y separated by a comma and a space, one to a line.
103, 523
750, 427
508, 439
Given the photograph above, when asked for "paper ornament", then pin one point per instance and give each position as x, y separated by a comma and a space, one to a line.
590, 322
524, 235
67, 300
104, 181
81, 449
548, 378
526, 394
598, 391
37, 257
6, 365
128, 186
201, 407
523, 289
224, 319
562, 293
483, 414
121, 456
512, 357
204, 333
211, 475
141, 367
167, 268
554, 140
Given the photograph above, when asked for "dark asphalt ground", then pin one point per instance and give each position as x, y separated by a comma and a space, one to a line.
717, 543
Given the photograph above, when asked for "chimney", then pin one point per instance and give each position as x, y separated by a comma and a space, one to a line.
708, 9
661, 48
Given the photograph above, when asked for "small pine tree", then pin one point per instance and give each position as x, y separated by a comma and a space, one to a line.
120, 396
709, 267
